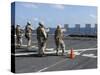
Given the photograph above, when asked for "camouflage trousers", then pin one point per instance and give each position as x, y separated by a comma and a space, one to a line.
60, 45
29, 37
41, 46
18, 40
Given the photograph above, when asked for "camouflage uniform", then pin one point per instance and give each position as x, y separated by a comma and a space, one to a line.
18, 36
42, 38
28, 33
59, 40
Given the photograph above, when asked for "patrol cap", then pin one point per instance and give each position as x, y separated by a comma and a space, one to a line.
59, 26
41, 24
29, 23
18, 25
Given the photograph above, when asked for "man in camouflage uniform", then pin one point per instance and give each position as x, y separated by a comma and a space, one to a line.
28, 33
18, 36
59, 40
42, 38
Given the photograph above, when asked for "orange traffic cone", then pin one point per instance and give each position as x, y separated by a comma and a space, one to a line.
72, 55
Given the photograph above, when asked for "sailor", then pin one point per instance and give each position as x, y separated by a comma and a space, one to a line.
28, 33
18, 36
41, 38
59, 36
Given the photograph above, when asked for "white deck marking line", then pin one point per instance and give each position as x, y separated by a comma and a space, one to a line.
48, 49
31, 46
19, 54
52, 65
76, 50
86, 49
53, 51
89, 55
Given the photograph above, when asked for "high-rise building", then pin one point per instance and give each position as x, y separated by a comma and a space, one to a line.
96, 26
66, 26
77, 29
87, 29
87, 25
95, 29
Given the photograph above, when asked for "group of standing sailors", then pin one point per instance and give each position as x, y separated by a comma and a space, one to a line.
42, 37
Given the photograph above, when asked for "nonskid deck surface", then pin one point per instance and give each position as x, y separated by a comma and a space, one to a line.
30, 61
27, 59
